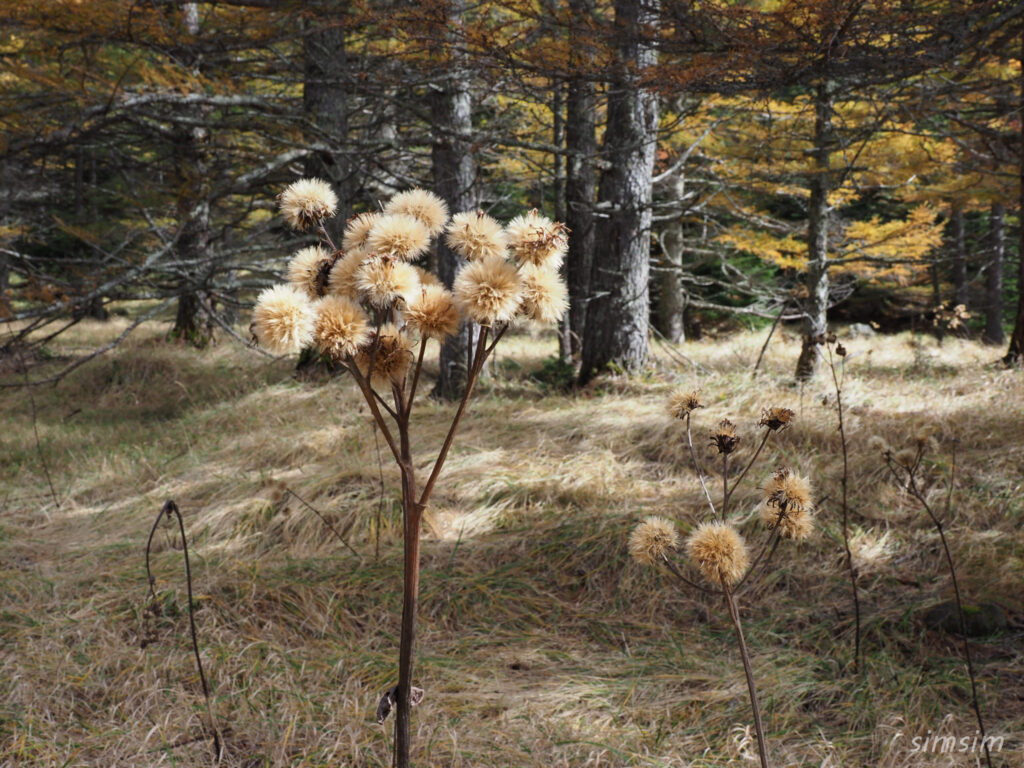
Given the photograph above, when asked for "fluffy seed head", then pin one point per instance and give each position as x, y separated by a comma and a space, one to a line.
357, 229
776, 418
304, 270
308, 202
283, 320
342, 278
652, 539
475, 236
427, 277
535, 239
788, 505
719, 551
432, 312
391, 351
430, 209
544, 295
382, 281
342, 327
487, 291
398, 235
724, 437
682, 404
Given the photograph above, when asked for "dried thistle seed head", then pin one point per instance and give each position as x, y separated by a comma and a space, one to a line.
474, 236
432, 312
652, 540
357, 230
788, 505
544, 295
719, 552
399, 236
831, 337
427, 277
423, 205
341, 281
775, 418
537, 240
840, 350
682, 404
383, 281
878, 444
488, 291
306, 203
724, 437
342, 327
283, 319
304, 270
391, 352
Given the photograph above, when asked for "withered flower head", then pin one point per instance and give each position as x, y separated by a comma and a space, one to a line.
398, 235
307, 202
535, 239
831, 337
391, 352
544, 296
342, 327
652, 539
282, 320
421, 204
432, 312
341, 281
788, 505
719, 551
304, 270
724, 437
488, 291
357, 230
682, 404
383, 281
840, 350
474, 236
775, 418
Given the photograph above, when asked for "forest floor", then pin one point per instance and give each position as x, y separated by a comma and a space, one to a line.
540, 642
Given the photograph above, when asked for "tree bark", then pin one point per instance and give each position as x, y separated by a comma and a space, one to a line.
1015, 352
960, 294
994, 277
580, 175
816, 278
671, 304
454, 170
618, 319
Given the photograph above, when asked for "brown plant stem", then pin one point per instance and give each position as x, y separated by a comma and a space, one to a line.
750, 463
696, 466
734, 614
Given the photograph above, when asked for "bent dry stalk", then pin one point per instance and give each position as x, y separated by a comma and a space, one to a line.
715, 547
365, 305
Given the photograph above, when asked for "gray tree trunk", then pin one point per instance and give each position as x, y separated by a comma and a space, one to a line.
960, 293
671, 305
1015, 351
816, 278
454, 169
617, 321
325, 105
994, 277
580, 175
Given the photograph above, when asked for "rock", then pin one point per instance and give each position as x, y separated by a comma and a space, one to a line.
982, 620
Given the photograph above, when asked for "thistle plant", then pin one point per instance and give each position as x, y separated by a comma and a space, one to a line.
368, 307
715, 548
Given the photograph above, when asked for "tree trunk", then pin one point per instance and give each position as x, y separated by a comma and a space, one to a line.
994, 277
1015, 353
325, 105
617, 321
671, 304
558, 193
454, 169
580, 176
816, 277
960, 294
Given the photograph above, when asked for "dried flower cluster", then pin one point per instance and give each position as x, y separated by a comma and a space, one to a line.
652, 540
366, 302
787, 505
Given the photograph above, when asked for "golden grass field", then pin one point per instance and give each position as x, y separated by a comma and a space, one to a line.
540, 642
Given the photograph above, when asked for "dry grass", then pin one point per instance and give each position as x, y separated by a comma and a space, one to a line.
540, 642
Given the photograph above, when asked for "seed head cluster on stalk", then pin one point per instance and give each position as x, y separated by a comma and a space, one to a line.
715, 549
369, 307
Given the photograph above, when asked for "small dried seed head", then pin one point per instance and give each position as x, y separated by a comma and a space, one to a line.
423, 205
682, 404
544, 296
776, 418
391, 352
719, 552
399, 236
652, 540
488, 291
307, 203
474, 236
432, 312
535, 239
342, 278
357, 230
342, 327
304, 270
724, 437
283, 319
788, 505
383, 281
